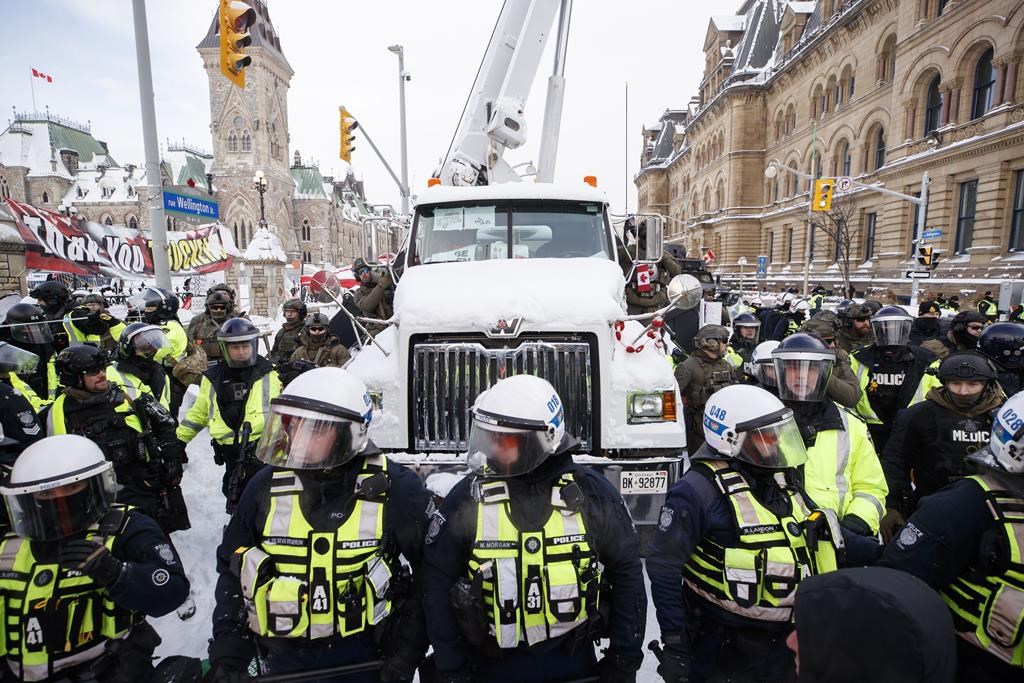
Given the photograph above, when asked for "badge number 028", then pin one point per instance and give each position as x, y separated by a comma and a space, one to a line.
644, 481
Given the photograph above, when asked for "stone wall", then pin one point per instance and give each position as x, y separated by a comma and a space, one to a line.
12, 268
266, 287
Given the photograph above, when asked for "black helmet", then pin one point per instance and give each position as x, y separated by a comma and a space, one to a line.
818, 290
234, 332
155, 304
75, 361
843, 306
967, 365
959, 327
318, 319
52, 294
803, 364
1004, 344
873, 305
141, 339
891, 325
746, 320
28, 324
295, 305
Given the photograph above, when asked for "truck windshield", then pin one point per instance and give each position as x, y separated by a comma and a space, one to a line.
480, 231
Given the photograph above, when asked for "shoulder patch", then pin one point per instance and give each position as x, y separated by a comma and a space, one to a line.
666, 518
165, 553
437, 521
909, 536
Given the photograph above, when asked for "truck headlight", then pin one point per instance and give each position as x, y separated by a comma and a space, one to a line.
652, 407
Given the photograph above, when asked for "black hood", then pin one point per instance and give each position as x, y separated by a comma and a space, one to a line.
873, 624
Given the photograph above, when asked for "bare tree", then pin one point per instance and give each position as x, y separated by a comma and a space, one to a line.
836, 223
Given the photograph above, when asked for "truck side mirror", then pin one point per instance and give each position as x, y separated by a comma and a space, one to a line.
684, 292
650, 233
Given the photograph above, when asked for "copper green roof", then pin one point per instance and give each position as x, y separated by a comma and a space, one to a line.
90, 150
193, 168
308, 182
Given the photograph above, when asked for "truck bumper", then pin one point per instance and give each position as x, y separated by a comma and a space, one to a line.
441, 471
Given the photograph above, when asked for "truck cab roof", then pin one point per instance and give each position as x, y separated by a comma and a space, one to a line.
443, 194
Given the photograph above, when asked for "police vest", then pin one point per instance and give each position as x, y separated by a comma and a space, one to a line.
205, 412
757, 577
988, 611
133, 386
56, 618
536, 584
865, 378
302, 583
117, 452
177, 349
30, 394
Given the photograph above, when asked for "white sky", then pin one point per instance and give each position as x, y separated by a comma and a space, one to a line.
338, 50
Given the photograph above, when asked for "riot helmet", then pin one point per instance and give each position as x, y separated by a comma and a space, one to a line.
1006, 445
762, 367
891, 326
28, 324
141, 339
17, 360
749, 424
746, 327
74, 362
803, 365
155, 304
239, 343
1004, 344
51, 295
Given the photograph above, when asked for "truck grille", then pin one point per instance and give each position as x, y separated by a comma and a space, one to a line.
448, 377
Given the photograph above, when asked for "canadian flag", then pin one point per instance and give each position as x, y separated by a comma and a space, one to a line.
709, 256
40, 74
643, 278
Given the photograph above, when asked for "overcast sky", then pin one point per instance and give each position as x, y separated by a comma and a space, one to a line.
339, 53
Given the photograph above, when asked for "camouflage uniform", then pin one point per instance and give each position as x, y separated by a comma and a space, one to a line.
376, 300
648, 302
700, 375
329, 352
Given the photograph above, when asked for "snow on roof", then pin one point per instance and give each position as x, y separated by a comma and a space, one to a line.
761, 36
111, 185
35, 141
729, 22
568, 191
183, 163
589, 290
803, 7
265, 246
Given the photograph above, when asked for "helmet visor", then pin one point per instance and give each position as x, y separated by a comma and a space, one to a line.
19, 361
304, 439
496, 451
59, 512
777, 445
764, 373
141, 301
802, 379
32, 333
892, 331
240, 353
148, 342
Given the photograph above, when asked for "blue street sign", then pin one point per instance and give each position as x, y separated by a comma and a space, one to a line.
931, 234
179, 203
762, 266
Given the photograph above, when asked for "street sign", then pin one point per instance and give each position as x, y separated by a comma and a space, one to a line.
762, 267
918, 274
931, 233
844, 183
191, 206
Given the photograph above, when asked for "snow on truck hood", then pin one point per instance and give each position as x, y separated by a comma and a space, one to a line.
476, 294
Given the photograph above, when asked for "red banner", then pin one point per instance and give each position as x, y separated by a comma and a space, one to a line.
69, 245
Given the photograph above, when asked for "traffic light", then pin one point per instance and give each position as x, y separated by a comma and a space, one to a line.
928, 256
823, 189
348, 124
235, 19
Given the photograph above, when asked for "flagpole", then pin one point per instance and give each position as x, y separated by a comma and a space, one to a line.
32, 85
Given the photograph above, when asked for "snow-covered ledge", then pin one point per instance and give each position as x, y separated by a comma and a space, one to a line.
265, 260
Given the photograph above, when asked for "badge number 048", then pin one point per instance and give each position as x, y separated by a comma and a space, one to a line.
644, 481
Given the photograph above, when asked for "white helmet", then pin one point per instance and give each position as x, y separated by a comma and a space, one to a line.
748, 423
1007, 441
800, 305
757, 301
321, 420
761, 366
517, 424
59, 486
685, 291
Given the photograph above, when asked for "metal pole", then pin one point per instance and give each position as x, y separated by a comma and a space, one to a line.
922, 216
405, 153
555, 96
262, 189
157, 224
380, 156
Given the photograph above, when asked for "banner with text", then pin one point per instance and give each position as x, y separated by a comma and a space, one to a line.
69, 245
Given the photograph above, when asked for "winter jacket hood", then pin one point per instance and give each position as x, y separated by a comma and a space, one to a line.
992, 399
873, 624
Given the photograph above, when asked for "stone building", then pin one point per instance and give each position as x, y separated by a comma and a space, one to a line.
881, 91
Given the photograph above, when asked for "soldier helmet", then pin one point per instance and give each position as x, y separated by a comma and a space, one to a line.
78, 360
318, 319
1004, 343
94, 298
748, 423
296, 305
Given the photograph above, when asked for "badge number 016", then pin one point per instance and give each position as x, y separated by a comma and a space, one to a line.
644, 481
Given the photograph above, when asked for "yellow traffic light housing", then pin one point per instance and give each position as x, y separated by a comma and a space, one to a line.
926, 256
823, 189
235, 19
347, 125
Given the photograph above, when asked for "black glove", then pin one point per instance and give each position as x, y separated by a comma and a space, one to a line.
856, 525
230, 654
109, 321
674, 659
93, 560
617, 669
173, 470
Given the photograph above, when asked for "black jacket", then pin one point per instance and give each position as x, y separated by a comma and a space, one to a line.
21, 428
232, 386
873, 624
924, 329
896, 377
326, 503
611, 533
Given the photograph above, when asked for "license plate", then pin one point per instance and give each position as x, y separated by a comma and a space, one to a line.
644, 481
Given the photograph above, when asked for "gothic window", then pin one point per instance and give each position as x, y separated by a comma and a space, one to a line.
232, 142
108, 220
842, 158
133, 223
933, 106
46, 198
246, 141
984, 84
940, 8
305, 230
274, 148
5, 191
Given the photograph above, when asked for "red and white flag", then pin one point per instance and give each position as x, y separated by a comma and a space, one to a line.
643, 278
709, 256
40, 74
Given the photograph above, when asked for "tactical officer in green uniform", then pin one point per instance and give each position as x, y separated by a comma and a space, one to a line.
854, 327
203, 328
80, 574
314, 567
703, 373
318, 346
287, 339
375, 296
532, 556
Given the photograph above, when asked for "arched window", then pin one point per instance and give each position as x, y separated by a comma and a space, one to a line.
720, 196
246, 141
108, 221
305, 230
887, 60
878, 149
232, 142
941, 7
984, 85
5, 191
274, 148
778, 126
133, 222
842, 158
234, 233
933, 106
46, 198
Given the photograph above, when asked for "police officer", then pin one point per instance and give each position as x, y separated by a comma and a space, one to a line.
233, 401
791, 320
736, 535
988, 307
926, 324
159, 306
746, 329
703, 373
136, 370
932, 439
136, 435
79, 574
532, 556
89, 322
55, 300
964, 542
375, 296
203, 328
891, 373
318, 346
315, 562
287, 339
854, 328
843, 387
842, 471
18, 424
762, 368
817, 299
964, 332
1003, 344
26, 328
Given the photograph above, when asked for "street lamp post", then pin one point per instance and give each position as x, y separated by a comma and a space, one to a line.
259, 183
403, 76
